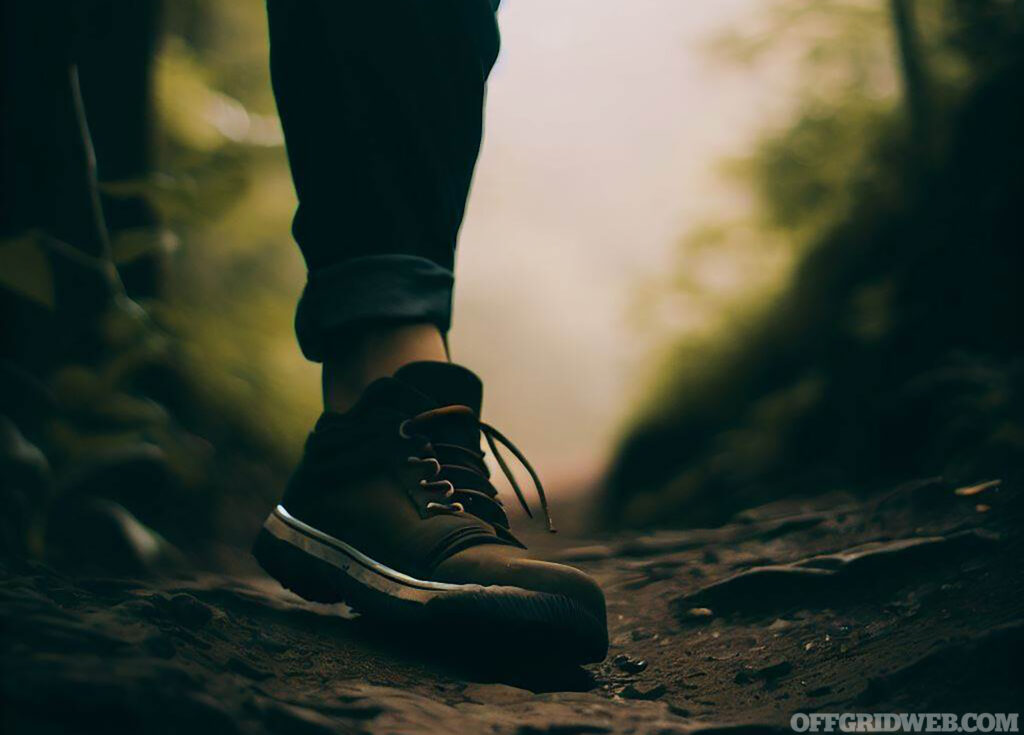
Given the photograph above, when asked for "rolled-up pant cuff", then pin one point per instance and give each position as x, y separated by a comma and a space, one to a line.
385, 288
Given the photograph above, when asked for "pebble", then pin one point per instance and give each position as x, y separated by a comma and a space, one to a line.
629, 664
768, 672
976, 489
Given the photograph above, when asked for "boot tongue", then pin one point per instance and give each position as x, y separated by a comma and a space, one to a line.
449, 385
455, 437
444, 382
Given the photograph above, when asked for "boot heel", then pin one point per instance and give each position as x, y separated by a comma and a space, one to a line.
308, 577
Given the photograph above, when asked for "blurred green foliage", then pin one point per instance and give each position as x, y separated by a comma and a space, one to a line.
149, 357
877, 345
225, 189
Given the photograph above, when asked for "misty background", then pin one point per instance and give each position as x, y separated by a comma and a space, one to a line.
715, 254
605, 128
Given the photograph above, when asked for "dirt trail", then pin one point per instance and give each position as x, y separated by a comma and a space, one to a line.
911, 601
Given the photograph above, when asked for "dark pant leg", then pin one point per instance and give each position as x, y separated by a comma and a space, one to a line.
381, 103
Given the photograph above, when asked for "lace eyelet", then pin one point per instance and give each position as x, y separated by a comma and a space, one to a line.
453, 507
425, 460
445, 483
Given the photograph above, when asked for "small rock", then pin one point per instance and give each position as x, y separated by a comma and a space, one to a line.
699, 614
648, 694
976, 489
642, 634
629, 664
766, 673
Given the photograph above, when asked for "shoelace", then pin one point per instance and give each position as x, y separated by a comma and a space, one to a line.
493, 437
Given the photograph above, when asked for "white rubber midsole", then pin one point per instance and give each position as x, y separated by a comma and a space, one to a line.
355, 564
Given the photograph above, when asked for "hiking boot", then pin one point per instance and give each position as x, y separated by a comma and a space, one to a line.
391, 510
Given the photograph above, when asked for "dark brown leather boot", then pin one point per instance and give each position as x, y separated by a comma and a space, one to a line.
391, 511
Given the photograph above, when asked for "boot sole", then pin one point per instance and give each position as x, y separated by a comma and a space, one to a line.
321, 568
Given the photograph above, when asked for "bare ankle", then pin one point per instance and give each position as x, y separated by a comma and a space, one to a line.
374, 352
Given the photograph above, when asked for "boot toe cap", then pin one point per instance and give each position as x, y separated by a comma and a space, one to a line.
509, 566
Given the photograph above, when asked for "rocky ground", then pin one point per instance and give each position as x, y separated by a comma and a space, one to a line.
907, 602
